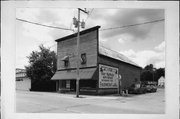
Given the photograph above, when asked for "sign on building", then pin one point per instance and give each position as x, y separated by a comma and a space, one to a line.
108, 76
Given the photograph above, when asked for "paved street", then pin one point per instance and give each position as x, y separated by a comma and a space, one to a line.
37, 102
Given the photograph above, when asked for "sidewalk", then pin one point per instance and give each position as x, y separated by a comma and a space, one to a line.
69, 95
73, 95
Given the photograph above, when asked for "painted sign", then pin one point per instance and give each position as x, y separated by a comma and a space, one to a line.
108, 77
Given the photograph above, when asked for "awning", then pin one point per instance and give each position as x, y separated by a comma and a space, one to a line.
65, 58
71, 74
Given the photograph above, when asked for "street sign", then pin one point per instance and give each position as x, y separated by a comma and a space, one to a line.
119, 76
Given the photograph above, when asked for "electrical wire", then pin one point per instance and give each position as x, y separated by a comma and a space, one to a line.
89, 14
43, 25
159, 20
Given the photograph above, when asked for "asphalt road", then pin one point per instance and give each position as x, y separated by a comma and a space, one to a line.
42, 102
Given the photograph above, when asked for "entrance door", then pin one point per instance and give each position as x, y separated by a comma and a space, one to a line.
73, 85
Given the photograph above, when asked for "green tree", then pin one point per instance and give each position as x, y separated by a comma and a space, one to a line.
42, 66
160, 72
149, 73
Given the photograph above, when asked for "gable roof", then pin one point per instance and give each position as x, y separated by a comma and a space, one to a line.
162, 78
115, 55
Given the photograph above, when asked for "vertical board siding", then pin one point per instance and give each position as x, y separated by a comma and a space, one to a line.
88, 45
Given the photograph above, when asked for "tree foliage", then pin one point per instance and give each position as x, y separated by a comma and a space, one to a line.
149, 73
42, 66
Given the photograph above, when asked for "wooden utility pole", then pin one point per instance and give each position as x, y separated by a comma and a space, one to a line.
78, 38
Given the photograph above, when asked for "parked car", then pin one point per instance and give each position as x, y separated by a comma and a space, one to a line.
154, 88
151, 88
136, 90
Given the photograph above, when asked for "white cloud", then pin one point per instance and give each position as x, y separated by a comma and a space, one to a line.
120, 40
107, 18
160, 47
160, 64
129, 53
143, 58
146, 57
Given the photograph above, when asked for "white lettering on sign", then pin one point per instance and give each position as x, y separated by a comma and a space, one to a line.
108, 76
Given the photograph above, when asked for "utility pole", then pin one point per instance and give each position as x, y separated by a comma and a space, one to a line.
77, 24
119, 84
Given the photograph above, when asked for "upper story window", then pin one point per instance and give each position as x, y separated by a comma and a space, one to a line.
83, 58
66, 61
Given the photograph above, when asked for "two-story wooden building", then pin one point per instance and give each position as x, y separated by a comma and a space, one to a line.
99, 66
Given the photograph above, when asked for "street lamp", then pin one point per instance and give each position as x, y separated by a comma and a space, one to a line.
77, 24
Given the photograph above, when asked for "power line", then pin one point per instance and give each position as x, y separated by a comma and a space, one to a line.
44, 25
89, 14
133, 25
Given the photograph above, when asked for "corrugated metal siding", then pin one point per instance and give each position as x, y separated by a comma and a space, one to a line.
115, 55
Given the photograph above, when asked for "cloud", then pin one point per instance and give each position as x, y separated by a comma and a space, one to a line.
146, 57
160, 64
125, 17
130, 53
106, 18
120, 40
160, 47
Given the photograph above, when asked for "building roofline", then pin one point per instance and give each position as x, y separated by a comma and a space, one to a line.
121, 61
127, 60
93, 29
81, 33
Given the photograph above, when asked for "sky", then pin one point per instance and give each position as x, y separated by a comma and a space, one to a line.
144, 44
